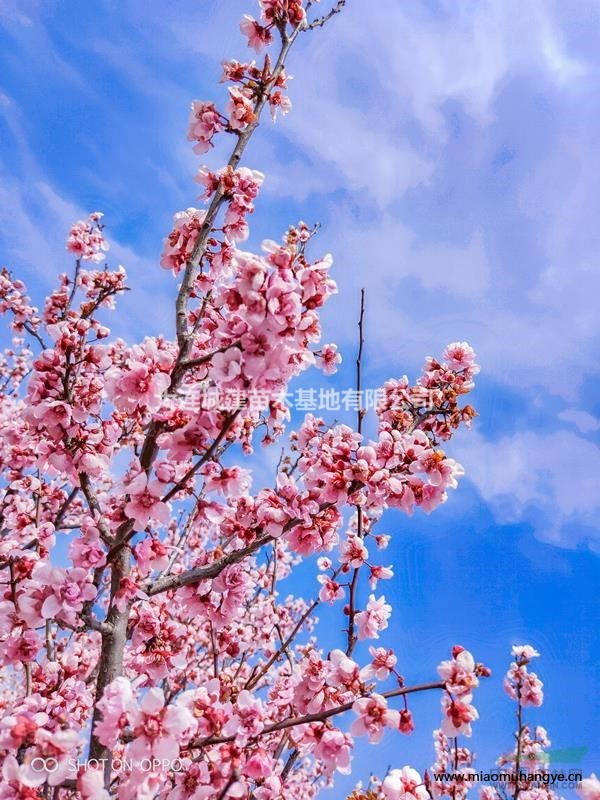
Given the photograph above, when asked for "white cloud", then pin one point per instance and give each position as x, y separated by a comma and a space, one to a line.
358, 153
395, 252
550, 481
400, 64
584, 422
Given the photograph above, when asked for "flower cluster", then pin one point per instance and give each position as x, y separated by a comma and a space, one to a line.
403, 468
205, 122
86, 239
461, 676
239, 188
434, 398
251, 83
278, 12
180, 243
521, 685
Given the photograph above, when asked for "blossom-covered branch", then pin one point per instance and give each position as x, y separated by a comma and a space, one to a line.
148, 644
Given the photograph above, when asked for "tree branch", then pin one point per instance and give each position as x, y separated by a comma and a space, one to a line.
254, 679
62, 511
320, 716
197, 362
208, 454
320, 21
94, 506
202, 573
352, 638
218, 199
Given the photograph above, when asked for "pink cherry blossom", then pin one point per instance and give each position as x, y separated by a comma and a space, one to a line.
330, 589
332, 747
248, 717
138, 386
87, 551
353, 552
374, 619
531, 693
151, 554
22, 646
226, 480
459, 356
459, 673
373, 717
259, 765
378, 573
382, 664
259, 36
12, 786
406, 724
458, 717
522, 685
158, 729
117, 700
404, 784
281, 102
53, 592
48, 760
145, 503
205, 122
179, 244
240, 108
524, 653
90, 783
286, 10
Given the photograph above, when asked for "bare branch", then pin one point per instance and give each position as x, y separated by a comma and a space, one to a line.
94, 506
62, 511
320, 21
352, 638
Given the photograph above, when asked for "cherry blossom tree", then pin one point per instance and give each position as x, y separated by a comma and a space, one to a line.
149, 645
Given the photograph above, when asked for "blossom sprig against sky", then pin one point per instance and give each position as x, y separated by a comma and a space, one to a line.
453, 176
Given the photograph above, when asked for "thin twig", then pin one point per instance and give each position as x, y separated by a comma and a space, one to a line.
320, 21
49, 641
73, 288
263, 671
352, 638
215, 652
519, 741
292, 758
196, 362
62, 511
94, 506
207, 455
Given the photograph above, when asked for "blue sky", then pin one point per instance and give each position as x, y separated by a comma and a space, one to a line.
449, 150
